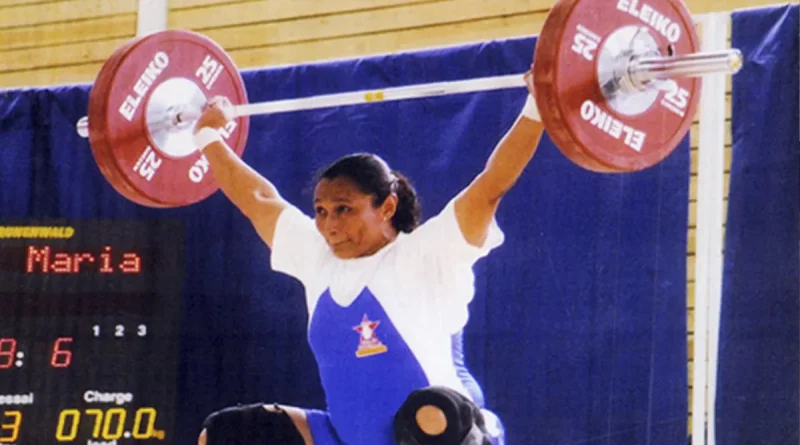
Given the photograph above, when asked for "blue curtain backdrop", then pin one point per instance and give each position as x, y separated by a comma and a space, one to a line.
759, 361
578, 327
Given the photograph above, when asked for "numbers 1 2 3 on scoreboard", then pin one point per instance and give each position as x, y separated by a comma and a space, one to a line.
89, 331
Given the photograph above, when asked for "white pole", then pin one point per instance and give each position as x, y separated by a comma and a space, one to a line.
151, 16
708, 259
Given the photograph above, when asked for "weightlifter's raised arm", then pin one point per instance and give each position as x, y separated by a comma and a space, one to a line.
252, 193
476, 205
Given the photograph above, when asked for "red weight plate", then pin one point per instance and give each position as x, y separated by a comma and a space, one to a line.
97, 99
589, 129
159, 71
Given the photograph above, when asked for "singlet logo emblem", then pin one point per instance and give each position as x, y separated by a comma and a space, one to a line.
368, 343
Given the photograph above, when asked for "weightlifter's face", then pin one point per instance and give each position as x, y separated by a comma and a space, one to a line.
347, 220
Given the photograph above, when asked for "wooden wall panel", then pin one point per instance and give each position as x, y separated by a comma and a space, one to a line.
57, 42
9, 3
53, 34
407, 39
63, 11
61, 55
234, 15
72, 74
64, 41
410, 16
184, 4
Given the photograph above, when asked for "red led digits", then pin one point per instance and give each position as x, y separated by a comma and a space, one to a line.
106, 257
8, 351
44, 260
61, 357
131, 263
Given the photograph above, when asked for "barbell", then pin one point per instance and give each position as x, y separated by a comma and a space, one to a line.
617, 85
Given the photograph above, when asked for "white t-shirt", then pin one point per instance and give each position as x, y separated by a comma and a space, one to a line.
423, 280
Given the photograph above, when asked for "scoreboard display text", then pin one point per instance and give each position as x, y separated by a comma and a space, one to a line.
89, 331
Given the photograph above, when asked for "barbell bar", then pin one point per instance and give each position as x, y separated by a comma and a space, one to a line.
645, 70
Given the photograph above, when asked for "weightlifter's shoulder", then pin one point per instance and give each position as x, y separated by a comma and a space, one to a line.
429, 236
296, 244
275, 214
440, 238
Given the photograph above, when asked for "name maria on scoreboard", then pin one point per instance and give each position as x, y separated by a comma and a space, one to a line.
44, 259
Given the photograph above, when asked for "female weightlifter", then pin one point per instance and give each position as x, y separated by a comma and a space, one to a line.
386, 298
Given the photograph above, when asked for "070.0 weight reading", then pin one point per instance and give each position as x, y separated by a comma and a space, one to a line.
104, 424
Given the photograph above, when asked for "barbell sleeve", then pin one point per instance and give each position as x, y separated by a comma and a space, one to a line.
647, 68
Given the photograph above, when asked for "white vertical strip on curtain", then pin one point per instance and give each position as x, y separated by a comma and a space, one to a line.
708, 259
152, 16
